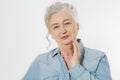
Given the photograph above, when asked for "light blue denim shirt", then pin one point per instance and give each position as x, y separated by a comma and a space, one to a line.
51, 66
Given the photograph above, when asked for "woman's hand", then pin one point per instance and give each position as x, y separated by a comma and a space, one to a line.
76, 54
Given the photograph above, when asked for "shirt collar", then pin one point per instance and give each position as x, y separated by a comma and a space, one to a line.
57, 50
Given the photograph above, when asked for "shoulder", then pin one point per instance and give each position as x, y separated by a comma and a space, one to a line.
93, 53
45, 57
92, 58
40, 64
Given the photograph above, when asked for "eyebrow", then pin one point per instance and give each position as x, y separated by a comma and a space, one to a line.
54, 24
66, 20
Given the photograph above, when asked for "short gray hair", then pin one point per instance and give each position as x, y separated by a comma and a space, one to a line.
58, 6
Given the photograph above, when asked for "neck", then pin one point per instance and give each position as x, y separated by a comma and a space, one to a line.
66, 50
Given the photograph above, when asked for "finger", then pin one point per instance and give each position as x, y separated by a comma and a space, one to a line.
74, 47
76, 44
78, 48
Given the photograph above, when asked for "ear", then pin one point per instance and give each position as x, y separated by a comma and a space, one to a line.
77, 26
51, 35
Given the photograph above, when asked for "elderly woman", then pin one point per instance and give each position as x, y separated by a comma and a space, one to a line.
71, 60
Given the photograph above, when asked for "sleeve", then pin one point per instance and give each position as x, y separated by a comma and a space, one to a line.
33, 72
78, 72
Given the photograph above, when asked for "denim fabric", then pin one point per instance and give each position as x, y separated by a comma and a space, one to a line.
51, 66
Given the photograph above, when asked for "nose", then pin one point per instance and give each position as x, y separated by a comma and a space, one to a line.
63, 30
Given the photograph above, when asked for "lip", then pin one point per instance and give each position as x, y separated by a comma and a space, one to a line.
65, 37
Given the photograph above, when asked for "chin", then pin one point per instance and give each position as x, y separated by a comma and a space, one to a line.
66, 42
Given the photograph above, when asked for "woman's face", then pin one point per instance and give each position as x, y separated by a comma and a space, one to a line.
63, 27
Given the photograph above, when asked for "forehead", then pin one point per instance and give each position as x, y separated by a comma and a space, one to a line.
60, 16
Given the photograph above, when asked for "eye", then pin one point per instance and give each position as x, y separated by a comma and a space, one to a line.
55, 27
67, 23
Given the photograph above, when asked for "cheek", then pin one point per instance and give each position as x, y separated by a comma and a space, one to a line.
72, 29
55, 34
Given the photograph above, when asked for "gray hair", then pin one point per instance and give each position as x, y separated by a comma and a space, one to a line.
54, 8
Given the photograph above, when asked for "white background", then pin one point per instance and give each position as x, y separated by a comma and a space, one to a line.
22, 32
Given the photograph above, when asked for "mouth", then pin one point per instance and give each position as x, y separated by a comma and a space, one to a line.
65, 37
